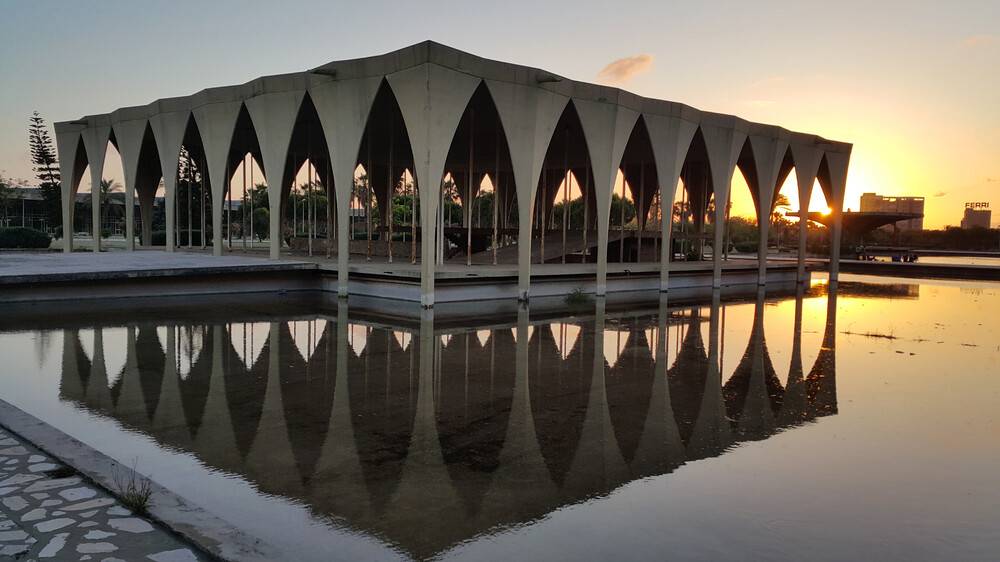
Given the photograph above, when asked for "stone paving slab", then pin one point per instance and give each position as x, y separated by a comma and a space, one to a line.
49, 512
21, 267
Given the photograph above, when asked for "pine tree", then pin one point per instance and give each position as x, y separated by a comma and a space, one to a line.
43, 156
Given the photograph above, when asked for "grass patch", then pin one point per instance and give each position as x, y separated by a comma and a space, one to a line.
133, 489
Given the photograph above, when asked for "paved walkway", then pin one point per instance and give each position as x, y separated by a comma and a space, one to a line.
47, 512
18, 266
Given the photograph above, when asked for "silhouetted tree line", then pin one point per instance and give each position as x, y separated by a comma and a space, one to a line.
949, 238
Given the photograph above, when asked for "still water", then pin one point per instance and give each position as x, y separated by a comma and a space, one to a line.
961, 260
859, 423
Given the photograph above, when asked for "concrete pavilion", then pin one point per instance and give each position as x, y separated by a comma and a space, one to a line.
447, 119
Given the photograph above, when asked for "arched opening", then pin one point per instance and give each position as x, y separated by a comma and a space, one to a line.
306, 187
564, 219
781, 232
693, 202
787, 208
819, 239
111, 214
148, 181
78, 221
192, 205
384, 205
743, 215
632, 209
246, 216
479, 188
83, 222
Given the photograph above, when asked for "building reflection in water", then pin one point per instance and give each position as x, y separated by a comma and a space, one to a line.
427, 437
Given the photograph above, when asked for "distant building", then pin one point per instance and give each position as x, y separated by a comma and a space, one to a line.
977, 215
26, 207
875, 203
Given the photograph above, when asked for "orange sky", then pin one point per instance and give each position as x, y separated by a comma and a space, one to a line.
914, 85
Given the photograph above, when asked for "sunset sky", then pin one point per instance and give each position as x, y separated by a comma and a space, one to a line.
914, 85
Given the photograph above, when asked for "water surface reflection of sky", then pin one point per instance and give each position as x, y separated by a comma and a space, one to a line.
859, 424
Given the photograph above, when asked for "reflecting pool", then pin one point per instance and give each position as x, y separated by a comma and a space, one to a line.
829, 424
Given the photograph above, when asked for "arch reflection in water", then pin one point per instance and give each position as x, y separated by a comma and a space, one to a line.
427, 437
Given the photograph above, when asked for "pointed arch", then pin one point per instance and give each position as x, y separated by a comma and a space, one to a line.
148, 177
746, 165
308, 152
479, 154
112, 212
696, 190
638, 171
80, 165
386, 155
193, 191
95, 139
566, 162
242, 171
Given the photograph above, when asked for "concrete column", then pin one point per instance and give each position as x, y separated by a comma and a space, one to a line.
432, 99
273, 116
343, 107
146, 202
724, 141
607, 127
95, 140
671, 138
216, 123
129, 217
837, 162
128, 135
168, 130
67, 143
807, 158
529, 116
769, 150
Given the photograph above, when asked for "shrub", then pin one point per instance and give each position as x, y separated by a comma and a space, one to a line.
21, 237
160, 238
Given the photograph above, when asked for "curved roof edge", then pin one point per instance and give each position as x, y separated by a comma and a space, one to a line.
430, 52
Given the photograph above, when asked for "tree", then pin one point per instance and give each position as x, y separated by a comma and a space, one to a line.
6, 194
46, 166
107, 187
261, 223
778, 221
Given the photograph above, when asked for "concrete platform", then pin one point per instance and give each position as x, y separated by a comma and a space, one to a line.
922, 270
25, 267
37, 277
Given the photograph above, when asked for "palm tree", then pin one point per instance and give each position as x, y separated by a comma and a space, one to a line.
108, 186
780, 209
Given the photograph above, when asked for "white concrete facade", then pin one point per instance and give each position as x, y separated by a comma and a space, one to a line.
434, 87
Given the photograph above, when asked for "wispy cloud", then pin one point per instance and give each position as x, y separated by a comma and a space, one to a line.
623, 70
981, 40
940, 194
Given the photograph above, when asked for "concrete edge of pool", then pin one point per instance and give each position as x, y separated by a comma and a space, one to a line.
206, 532
67, 278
